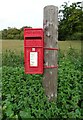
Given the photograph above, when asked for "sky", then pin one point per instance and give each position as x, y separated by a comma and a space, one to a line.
19, 13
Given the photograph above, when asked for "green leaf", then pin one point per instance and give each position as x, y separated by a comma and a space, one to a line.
25, 114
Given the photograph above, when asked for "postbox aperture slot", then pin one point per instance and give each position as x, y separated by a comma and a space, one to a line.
33, 38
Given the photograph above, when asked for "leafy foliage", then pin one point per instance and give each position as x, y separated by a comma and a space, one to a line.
23, 95
13, 33
10, 58
71, 25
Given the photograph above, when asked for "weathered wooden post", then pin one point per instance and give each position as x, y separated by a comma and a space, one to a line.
50, 26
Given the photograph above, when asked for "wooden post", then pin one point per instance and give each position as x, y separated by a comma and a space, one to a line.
50, 25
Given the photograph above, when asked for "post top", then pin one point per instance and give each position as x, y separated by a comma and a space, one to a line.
50, 6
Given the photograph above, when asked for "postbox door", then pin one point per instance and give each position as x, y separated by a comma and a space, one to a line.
34, 61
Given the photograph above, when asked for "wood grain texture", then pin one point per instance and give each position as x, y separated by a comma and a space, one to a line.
50, 25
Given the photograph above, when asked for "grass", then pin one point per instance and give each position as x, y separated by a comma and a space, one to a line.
14, 45
65, 45
17, 45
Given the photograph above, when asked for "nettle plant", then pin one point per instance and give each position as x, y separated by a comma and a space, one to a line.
23, 95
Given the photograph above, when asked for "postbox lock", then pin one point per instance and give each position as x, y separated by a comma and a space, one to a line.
33, 49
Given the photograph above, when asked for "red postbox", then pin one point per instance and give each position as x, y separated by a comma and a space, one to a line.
33, 50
